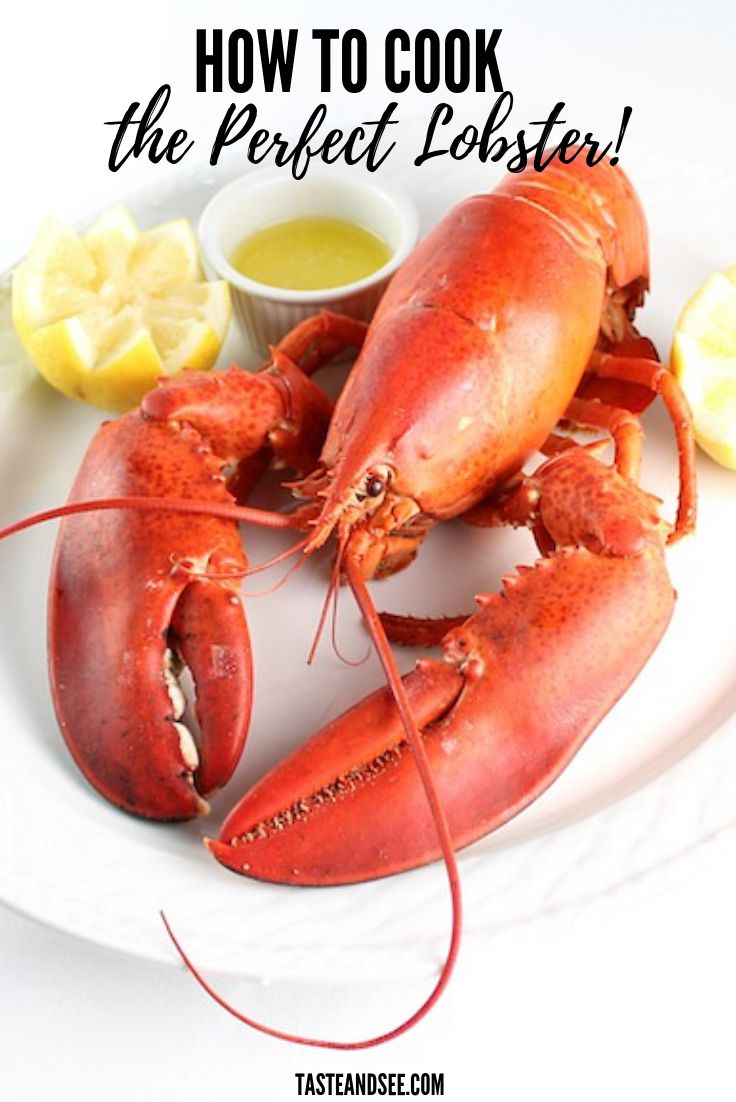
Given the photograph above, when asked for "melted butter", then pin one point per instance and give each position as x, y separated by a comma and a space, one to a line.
310, 254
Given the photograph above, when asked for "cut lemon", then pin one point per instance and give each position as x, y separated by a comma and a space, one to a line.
104, 315
704, 362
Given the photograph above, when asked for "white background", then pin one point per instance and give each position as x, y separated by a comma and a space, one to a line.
630, 998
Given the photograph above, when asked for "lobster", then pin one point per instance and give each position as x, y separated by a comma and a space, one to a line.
513, 316
478, 385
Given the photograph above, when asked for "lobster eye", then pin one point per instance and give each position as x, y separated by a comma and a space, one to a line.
374, 485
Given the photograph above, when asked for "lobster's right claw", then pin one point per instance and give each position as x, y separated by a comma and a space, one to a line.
525, 681
528, 677
329, 813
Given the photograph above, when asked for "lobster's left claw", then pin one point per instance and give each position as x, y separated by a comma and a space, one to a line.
131, 595
210, 633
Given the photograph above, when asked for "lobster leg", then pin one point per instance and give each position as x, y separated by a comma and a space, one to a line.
659, 380
418, 631
524, 682
615, 392
623, 426
319, 338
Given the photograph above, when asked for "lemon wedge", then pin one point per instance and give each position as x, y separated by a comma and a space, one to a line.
104, 315
704, 361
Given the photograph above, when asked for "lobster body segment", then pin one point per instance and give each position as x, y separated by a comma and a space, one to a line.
483, 338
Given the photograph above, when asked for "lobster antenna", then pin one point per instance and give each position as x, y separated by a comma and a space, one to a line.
331, 599
265, 518
268, 563
331, 589
289, 573
386, 658
242, 571
393, 676
333, 636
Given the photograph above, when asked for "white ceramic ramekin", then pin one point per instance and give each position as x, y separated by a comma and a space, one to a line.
262, 199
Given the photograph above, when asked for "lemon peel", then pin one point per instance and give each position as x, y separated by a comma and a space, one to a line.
703, 360
105, 314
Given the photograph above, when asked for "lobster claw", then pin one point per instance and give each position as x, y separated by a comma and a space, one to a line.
120, 603
137, 594
524, 682
334, 811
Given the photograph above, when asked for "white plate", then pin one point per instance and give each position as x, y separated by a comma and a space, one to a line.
652, 783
